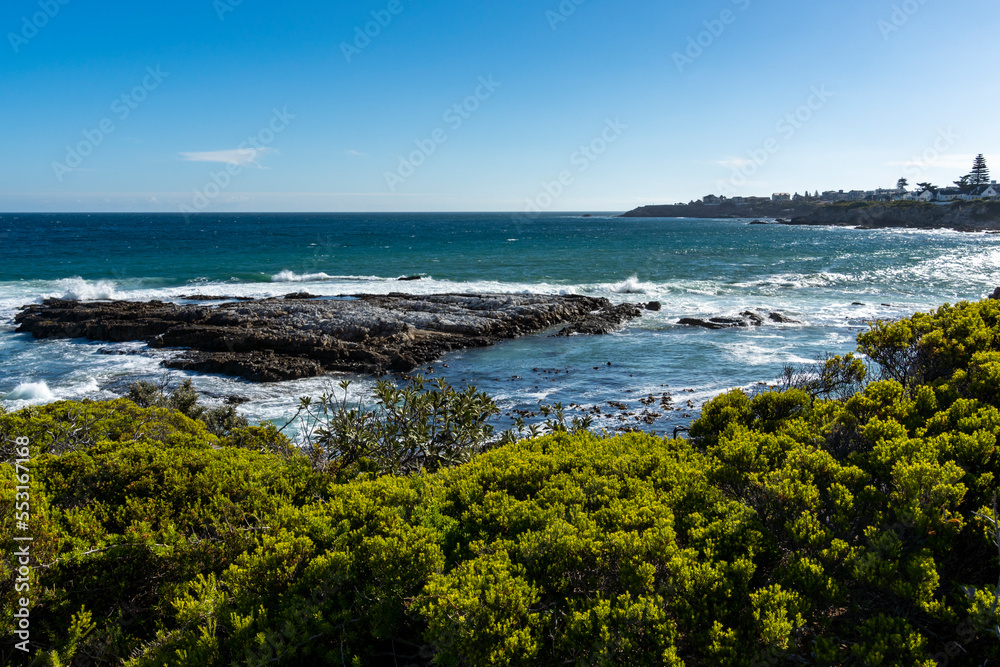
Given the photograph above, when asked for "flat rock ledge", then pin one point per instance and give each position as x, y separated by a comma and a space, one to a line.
273, 340
746, 319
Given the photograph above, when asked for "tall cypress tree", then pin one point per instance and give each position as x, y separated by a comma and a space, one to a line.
980, 174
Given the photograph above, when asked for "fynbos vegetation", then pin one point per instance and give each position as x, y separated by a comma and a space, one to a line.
848, 517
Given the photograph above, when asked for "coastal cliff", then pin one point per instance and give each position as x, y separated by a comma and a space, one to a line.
961, 216
727, 209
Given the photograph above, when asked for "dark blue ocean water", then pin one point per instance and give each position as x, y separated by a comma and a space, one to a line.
693, 267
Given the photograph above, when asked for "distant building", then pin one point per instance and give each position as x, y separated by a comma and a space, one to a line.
883, 194
991, 191
919, 195
944, 195
949, 194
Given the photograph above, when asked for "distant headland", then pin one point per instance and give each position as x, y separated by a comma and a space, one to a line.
973, 204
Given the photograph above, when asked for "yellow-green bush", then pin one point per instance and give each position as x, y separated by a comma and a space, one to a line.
791, 528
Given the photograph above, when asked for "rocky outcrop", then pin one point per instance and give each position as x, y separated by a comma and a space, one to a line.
604, 321
745, 319
282, 339
726, 209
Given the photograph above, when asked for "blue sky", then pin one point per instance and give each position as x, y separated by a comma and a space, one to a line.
256, 105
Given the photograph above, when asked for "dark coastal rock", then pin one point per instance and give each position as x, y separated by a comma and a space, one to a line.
262, 366
205, 297
110, 351
728, 209
655, 306
604, 321
974, 216
301, 296
745, 320
407, 279
279, 339
758, 222
782, 319
705, 324
996, 294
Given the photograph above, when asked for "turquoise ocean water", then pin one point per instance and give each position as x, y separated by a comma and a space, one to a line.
693, 267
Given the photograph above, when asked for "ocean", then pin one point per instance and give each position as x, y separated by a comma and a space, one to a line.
832, 280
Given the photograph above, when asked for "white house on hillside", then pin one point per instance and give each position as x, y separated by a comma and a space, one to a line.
991, 191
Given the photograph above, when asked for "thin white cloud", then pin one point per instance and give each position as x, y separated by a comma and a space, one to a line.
241, 157
351, 151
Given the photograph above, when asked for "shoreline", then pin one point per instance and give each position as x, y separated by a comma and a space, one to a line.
961, 216
303, 336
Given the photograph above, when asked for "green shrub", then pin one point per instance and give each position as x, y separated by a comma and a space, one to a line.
184, 399
795, 527
422, 426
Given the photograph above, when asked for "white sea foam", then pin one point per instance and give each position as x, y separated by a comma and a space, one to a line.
758, 355
78, 289
31, 392
798, 280
292, 277
288, 276
631, 286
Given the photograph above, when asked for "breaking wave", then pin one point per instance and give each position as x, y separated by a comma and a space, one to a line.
78, 289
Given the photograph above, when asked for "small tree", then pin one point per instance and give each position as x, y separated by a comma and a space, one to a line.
421, 426
901, 184
964, 184
980, 174
220, 421
927, 186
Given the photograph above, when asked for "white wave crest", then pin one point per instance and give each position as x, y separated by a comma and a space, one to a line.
78, 289
292, 277
287, 276
630, 286
31, 392
798, 280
